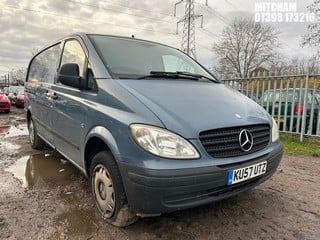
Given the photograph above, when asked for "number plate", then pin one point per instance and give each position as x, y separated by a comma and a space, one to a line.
242, 174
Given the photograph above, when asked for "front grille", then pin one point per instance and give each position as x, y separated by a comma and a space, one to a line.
224, 142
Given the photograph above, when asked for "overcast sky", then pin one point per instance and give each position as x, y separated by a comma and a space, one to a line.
27, 26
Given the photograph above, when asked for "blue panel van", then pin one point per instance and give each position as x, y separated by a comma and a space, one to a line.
151, 128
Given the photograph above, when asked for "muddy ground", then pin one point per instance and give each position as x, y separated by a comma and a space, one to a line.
42, 196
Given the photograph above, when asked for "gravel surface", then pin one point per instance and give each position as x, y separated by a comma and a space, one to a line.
45, 197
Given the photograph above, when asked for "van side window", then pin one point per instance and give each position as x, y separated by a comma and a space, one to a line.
43, 67
73, 53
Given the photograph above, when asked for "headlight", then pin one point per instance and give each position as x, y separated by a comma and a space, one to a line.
162, 143
275, 131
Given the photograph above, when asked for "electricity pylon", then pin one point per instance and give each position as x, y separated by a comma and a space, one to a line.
188, 44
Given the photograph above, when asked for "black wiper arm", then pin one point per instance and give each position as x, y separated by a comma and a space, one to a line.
196, 75
175, 75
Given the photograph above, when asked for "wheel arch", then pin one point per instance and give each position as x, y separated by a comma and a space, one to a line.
98, 139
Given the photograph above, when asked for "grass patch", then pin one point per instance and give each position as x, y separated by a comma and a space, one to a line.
292, 144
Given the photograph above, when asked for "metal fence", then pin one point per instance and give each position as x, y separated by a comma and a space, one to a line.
292, 100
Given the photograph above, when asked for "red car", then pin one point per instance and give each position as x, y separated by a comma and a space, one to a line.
20, 99
5, 104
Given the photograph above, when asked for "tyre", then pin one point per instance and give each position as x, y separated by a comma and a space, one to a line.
7, 111
35, 141
108, 191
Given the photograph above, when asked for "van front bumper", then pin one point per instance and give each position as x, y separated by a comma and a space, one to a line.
154, 191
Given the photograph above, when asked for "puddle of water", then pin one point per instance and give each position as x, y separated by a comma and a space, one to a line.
43, 171
50, 171
17, 130
4, 129
18, 169
78, 222
11, 131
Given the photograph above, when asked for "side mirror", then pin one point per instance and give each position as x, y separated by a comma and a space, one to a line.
69, 75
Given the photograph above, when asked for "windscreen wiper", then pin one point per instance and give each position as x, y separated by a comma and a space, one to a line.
176, 75
199, 76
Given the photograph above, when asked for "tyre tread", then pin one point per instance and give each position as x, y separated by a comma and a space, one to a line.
123, 216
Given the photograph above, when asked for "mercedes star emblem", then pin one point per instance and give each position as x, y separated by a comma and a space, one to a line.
245, 140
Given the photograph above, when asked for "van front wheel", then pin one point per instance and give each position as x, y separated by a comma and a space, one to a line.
108, 191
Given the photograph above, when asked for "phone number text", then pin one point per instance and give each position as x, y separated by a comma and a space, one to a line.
284, 17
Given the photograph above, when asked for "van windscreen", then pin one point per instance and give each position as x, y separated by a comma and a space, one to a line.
132, 58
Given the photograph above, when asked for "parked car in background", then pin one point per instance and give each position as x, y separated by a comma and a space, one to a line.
20, 99
5, 103
288, 105
12, 93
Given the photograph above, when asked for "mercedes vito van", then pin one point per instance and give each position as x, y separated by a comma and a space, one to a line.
151, 128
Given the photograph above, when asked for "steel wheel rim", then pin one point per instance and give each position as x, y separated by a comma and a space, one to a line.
103, 191
31, 132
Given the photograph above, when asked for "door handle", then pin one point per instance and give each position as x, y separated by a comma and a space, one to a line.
48, 94
51, 95
54, 96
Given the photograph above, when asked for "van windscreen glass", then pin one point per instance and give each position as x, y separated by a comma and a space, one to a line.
132, 58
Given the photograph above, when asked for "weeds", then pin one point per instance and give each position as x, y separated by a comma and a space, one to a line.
309, 146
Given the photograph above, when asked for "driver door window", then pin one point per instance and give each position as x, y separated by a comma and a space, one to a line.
73, 53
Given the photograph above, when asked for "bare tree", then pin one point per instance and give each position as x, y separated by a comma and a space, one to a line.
312, 37
244, 46
303, 65
17, 76
296, 65
280, 65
